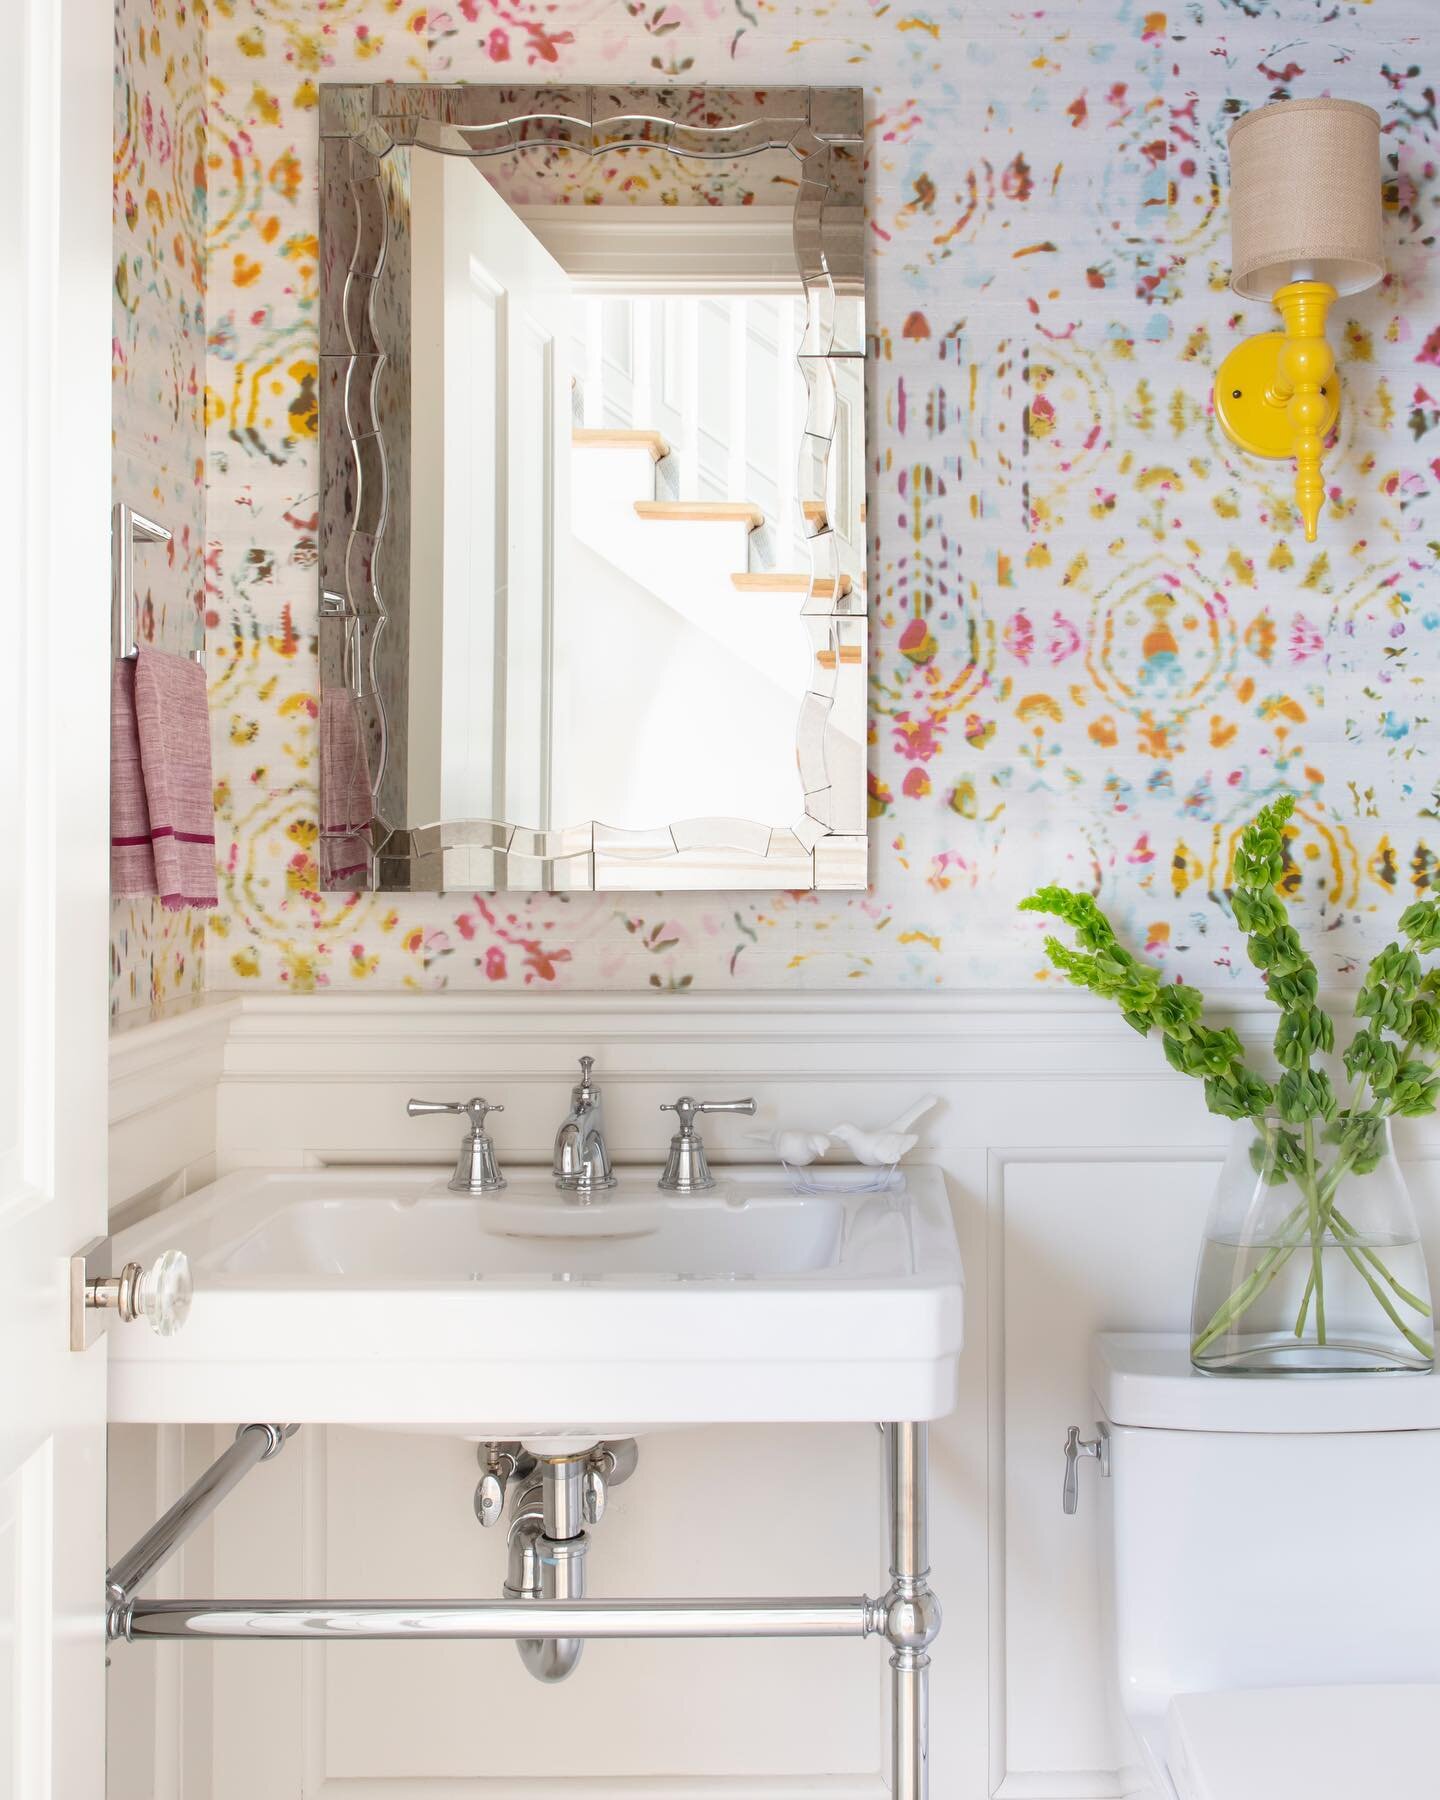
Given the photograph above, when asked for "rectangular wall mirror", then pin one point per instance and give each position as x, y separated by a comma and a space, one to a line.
592, 519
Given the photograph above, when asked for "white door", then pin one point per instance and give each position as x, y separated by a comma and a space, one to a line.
55, 275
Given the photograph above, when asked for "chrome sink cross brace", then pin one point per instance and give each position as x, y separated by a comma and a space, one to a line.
549, 1516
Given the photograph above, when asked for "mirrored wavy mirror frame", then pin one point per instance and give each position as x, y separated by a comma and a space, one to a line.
823, 129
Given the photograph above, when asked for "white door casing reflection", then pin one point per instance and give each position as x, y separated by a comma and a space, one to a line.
490, 410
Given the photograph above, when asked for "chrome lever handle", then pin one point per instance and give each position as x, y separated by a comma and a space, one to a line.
686, 1109
1097, 1447
476, 1110
477, 1171
687, 1171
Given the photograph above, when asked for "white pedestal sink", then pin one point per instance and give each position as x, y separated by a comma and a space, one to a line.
377, 1297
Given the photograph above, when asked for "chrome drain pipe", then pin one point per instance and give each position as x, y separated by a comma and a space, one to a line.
553, 1499
547, 1551
561, 1567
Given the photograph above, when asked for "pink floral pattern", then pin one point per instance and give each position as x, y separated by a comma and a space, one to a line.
1099, 640
158, 380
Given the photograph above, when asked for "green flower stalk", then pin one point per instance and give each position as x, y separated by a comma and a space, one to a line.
1305, 1135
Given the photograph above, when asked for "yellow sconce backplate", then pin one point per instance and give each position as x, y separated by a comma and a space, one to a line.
1278, 394
1251, 420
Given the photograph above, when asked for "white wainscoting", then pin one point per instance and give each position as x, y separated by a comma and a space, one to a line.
164, 1076
1079, 1168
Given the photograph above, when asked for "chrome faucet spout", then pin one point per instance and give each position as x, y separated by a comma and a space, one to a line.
581, 1164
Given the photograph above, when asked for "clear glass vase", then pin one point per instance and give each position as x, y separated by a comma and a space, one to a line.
1312, 1262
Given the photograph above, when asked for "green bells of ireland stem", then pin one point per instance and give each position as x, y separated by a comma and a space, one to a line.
1312, 1259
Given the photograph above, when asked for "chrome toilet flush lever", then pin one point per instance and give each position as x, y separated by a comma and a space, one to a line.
1076, 1447
476, 1171
688, 1171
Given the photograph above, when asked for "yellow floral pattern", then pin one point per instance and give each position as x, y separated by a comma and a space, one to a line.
1099, 639
157, 399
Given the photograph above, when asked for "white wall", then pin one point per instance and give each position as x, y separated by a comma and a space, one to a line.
710, 730
1079, 1167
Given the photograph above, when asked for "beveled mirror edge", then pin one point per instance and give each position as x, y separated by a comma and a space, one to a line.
827, 846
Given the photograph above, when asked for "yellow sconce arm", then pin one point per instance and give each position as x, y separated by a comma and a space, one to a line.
1277, 394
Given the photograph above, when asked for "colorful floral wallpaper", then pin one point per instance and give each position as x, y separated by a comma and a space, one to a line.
157, 403
1099, 639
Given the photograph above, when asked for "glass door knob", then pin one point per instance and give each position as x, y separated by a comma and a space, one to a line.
160, 1294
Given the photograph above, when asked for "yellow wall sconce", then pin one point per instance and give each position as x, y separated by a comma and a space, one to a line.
1305, 228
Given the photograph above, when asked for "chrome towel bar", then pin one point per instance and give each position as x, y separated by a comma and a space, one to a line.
127, 529
403, 1619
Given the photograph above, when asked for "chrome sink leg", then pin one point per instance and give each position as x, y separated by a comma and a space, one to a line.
911, 1611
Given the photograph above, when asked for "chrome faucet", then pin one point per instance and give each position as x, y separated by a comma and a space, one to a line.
582, 1162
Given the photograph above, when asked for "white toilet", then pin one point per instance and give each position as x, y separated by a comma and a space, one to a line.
1272, 1577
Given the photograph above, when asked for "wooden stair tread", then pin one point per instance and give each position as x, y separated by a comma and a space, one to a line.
724, 512
770, 581
586, 437
813, 512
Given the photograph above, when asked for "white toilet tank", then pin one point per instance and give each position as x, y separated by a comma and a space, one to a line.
1263, 1532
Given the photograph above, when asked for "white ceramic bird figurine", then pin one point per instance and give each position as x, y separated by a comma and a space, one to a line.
879, 1149
798, 1148
876, 1149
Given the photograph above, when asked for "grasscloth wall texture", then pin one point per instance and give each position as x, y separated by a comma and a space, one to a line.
157, 396
1099, 639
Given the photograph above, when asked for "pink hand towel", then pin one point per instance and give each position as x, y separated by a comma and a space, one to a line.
132, 861
346, 801
164, 828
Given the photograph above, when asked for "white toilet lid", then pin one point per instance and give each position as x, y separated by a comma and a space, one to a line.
1322, 1743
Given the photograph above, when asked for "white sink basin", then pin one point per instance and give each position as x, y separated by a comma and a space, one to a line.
376, 1296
